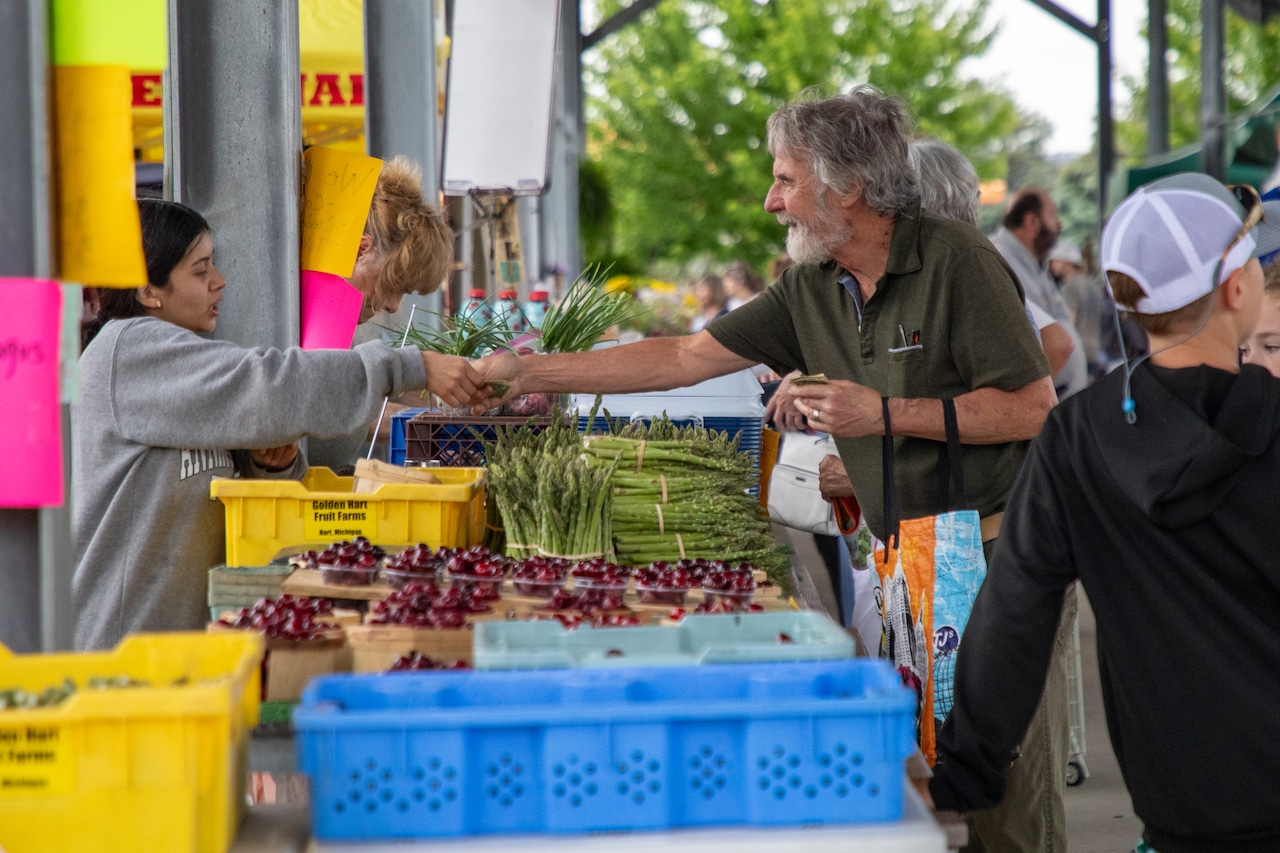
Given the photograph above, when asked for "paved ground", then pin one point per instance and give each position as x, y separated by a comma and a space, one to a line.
1099, 813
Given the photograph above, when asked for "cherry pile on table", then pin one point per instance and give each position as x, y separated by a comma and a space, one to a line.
424, 605
286, 617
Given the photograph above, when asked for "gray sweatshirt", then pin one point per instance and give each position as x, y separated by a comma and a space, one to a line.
164, 411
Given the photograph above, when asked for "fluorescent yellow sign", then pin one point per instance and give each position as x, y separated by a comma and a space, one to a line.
122, 32
337, 189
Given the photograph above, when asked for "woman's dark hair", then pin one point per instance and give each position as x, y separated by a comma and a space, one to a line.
168, 230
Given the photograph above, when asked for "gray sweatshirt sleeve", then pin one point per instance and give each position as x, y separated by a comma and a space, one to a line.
173, 388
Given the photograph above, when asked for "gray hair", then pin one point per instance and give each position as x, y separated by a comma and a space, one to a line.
948, 181
855, 141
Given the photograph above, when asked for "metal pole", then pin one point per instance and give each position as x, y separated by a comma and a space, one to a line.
1213, 97
1106, 133
560, 246
36, 544
400, 89
233, 151
1157, 78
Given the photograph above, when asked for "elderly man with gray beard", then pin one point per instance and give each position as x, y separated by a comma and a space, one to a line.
888, 301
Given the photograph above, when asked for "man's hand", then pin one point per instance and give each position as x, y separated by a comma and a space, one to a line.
451, 378
499, 381
844, 409
833, 479
782, 411
275, 458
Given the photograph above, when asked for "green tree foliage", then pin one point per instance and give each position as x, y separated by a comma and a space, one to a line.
1252, 71
677, 103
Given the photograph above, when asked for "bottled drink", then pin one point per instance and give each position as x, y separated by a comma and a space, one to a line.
477, 308
536, 308
509, 310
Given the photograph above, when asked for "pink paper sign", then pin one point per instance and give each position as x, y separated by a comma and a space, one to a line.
31, 428
330, 311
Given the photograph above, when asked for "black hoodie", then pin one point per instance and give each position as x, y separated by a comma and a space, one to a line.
1172, 525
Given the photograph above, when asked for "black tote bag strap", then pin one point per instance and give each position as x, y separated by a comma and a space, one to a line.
951, 463
891, 509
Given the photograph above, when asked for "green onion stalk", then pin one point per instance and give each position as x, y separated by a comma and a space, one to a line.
586, 312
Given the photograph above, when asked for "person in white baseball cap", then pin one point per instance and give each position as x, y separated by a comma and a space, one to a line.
1180, 255
1165, 512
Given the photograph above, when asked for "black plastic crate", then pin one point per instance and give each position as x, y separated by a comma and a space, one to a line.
458, 442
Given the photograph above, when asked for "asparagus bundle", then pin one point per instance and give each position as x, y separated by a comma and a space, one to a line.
681, 492
550, 499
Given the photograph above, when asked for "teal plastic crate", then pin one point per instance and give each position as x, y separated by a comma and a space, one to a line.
441, 754
697, 639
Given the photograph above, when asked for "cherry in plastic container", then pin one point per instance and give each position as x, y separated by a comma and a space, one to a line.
539, 577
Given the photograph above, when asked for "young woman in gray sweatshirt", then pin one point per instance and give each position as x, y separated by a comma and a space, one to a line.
165, 410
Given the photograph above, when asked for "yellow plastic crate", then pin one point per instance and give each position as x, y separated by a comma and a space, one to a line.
267, 516
160, 768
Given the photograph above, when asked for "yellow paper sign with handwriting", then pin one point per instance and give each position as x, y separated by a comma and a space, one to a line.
99, 238
337, 190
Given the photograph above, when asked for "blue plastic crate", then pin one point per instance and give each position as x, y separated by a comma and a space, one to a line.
398, 445
431, 755
697, 639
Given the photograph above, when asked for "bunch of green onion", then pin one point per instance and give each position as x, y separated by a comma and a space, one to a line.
587, 311
458, 335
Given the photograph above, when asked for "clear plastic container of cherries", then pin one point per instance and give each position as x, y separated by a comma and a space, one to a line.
663, 583
350, 563
729, 589
539, 577
478, 572
598, 575
419, 563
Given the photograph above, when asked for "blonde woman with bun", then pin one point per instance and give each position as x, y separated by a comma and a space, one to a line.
407, 246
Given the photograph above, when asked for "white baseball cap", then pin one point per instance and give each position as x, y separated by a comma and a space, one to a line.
1169, 235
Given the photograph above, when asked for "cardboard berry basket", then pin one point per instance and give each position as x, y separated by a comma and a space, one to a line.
289, 664
156, 767
374, 648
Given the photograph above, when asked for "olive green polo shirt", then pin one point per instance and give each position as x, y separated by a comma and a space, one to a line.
947, 318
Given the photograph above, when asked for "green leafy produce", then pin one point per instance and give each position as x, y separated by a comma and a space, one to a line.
551, 500
458, 335
682, 491
587, 311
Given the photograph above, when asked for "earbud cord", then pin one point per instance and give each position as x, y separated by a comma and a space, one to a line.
1127, 404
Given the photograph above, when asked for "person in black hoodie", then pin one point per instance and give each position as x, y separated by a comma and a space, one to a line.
1157, 488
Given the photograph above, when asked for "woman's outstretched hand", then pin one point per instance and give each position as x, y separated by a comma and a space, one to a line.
451, 378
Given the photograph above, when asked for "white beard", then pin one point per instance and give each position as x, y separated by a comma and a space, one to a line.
807, 245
